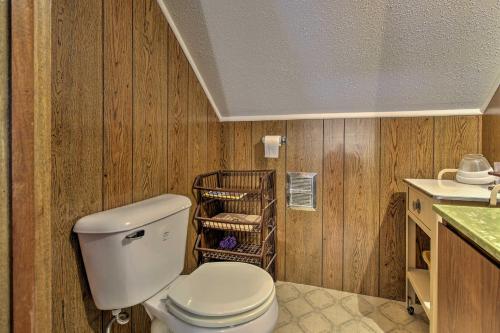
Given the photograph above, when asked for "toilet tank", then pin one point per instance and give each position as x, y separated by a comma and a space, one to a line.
132, 252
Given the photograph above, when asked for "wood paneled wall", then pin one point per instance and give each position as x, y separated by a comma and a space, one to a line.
355, 240
491, 129
5, 257
130, 121
303, 233
406, 152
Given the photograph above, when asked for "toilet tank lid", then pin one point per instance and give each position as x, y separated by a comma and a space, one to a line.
132, 216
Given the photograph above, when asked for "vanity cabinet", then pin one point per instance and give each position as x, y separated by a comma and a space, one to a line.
469, 291
421, 195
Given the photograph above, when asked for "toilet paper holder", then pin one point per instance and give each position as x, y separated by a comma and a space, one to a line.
282, 140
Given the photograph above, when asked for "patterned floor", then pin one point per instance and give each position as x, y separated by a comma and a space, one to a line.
307, 309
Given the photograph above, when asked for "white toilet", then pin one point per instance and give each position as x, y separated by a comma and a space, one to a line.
135, 254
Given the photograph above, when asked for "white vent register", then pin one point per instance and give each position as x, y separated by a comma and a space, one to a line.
301, 190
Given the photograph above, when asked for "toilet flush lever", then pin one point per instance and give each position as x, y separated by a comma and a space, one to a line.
136, 235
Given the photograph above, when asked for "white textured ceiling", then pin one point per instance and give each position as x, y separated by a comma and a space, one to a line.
271, 58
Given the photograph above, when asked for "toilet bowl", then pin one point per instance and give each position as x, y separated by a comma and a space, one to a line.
135, 254
217, 297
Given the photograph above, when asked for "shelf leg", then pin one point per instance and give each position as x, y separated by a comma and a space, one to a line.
410, 255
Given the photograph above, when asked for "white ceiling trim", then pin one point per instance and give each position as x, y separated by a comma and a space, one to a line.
336, 115
185, 49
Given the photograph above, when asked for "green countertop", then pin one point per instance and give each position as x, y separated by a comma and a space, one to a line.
480, 224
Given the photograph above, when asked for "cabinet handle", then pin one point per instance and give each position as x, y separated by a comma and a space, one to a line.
417, 206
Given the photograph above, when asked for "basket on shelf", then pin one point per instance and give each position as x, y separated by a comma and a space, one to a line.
240, 205
235, 216
249, 249
235, 185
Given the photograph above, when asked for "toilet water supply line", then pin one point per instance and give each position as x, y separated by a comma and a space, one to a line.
121, 317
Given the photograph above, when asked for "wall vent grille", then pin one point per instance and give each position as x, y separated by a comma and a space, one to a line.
301, 190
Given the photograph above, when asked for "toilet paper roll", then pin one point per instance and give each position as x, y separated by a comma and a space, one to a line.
272, 145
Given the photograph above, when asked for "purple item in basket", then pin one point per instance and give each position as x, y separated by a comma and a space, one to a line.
228, 243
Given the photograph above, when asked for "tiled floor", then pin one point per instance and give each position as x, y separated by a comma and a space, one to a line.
307, 309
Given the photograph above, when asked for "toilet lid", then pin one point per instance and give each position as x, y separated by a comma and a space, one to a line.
222, 289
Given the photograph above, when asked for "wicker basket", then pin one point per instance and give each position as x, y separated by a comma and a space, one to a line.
249, 249
234, 216
235, 185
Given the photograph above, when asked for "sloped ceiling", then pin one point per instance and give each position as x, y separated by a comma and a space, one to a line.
271, 59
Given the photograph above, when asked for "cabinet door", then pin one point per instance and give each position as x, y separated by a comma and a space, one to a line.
468, 287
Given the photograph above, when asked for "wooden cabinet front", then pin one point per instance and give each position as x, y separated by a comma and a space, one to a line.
468, 287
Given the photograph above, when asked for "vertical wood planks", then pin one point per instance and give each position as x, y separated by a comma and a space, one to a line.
402, 156
214, 157
22, 136
455, 137
333, 203
361, 206
43, 169
490, 134
150, 91
304, 228
118, 107
150, 100
243, 145
491, 137
5, 225
424, 134
220, 143
197, 153
422, 147
226, 137
31, 168
396, 161
260, 129
118, 103
77, 139
177, 117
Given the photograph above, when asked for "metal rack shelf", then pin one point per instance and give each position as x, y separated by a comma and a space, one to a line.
239, 204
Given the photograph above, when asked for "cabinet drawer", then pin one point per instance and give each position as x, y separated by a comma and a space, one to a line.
421, 206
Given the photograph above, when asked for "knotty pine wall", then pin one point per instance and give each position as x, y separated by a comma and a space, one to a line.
355, 240
129, 121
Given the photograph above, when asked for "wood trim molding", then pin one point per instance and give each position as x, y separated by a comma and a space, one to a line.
31, 91
23, 215
5, 253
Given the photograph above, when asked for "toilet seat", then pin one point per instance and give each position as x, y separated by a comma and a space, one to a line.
222, 289
224, 321
217, 295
